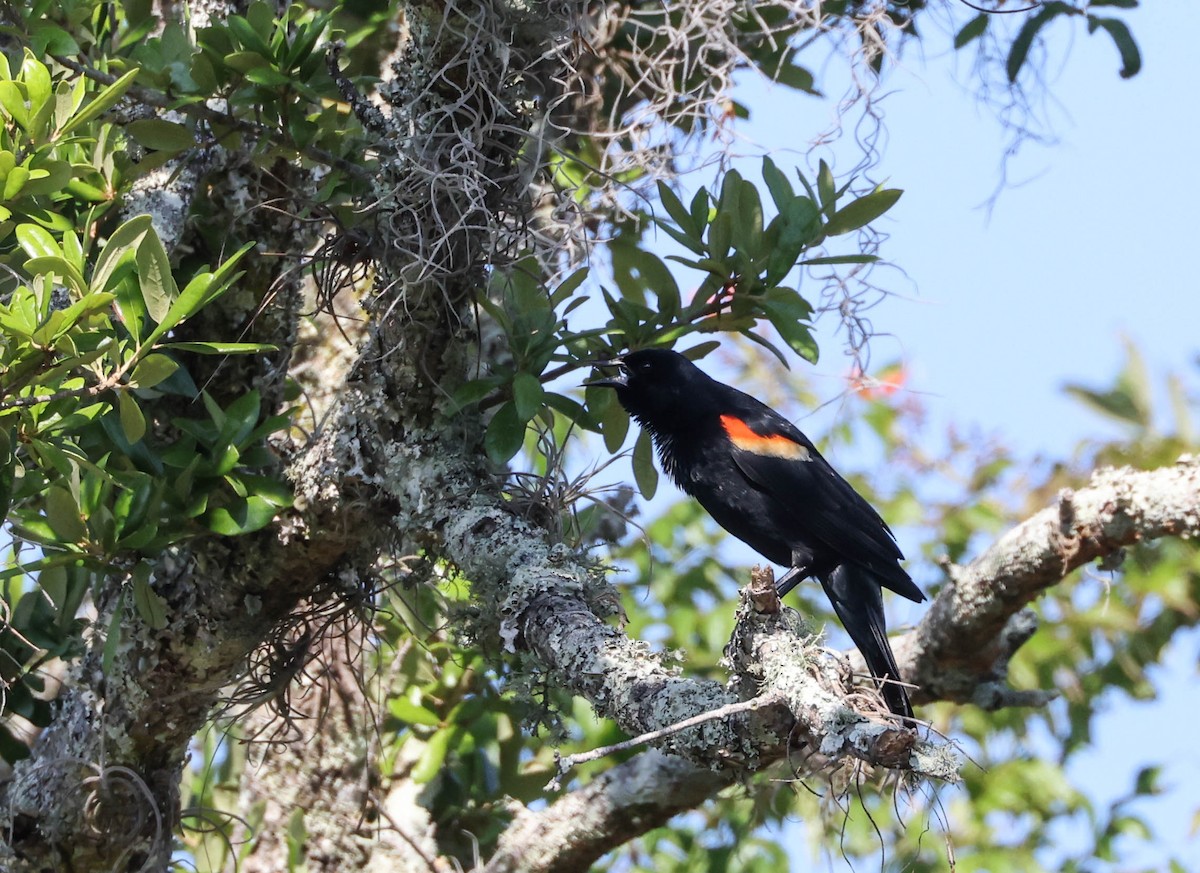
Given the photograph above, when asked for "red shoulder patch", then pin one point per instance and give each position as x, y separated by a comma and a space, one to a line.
774, 446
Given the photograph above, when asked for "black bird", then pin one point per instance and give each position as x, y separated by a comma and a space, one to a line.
765, 482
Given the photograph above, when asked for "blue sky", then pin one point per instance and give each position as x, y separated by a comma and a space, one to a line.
1000, 309
997, 309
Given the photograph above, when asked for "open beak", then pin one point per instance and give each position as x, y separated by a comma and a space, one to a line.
619, 380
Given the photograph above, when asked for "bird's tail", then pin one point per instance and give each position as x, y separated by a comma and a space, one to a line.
858, 602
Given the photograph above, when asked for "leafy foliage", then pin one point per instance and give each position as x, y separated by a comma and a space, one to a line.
95, 474
744, 261
1033, 26
112, 457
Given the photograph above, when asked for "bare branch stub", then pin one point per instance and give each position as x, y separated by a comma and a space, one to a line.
761, 590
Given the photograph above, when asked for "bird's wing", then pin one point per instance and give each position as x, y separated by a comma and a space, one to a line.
779, 459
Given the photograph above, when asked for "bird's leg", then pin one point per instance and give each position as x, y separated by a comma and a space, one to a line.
800, 570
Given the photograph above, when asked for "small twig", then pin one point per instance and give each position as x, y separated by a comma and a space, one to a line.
90, 391
985, 11
404, 835
108, 383
366, 111
565, 764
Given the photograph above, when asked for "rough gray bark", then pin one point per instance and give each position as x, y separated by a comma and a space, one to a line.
101, 790
620, 804
958, 652
961, 648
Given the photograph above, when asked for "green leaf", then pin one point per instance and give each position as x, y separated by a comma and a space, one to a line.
37, 242
296, 837
37, 81
731, 192
973, 29
691, 243
698, 352
154, 277
781, 189
720, 235
248, 36
1120, 403
654, 273
412, 713
218, 348
112, 640
644, 473
528, 395
240, 516
274, 491
803, 214
149, 603
432, 758
505, 434
749, 226
160, 135
102, 102
49, 177
862, 211
1149, 781
1019, 50
133, 423
614, 424
203, 289
572, 409
826, 188
1131, 57
124, 240
51, 39
469, 393
245, 61
151, 370
58, 266
12, 101
241, 416
796, 77
62, 514
52, 220
268, 77
675, 209
792, 241
840, 259
7, 463
568, 286
699, 210
17, 177
787, 311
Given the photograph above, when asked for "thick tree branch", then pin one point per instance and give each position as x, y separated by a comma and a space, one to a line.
616, 806
981, 614
960, 650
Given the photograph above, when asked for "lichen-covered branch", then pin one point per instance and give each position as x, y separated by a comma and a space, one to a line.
775, 653
616, 806
960, 650
771, 654
957, 653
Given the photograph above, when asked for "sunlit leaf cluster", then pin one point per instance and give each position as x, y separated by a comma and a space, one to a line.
95, 473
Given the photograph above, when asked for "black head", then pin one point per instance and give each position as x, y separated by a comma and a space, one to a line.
659, 388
